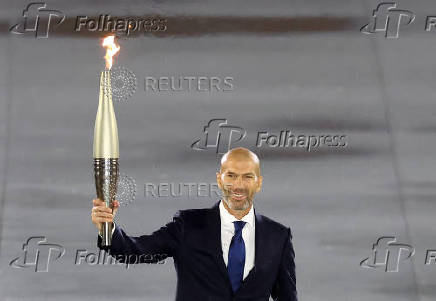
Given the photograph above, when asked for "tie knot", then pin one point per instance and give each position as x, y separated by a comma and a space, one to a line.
238, 226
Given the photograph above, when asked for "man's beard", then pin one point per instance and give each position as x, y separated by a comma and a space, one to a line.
234, 205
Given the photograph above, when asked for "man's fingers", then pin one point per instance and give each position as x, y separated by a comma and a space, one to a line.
101, 209
97, 202
103, 214
100, 213
103, 219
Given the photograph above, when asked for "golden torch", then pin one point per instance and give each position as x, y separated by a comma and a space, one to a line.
106, 148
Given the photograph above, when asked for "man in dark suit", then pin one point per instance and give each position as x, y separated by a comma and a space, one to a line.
226, 252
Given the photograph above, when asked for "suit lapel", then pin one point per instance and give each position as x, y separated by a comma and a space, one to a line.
259, 252
214, 242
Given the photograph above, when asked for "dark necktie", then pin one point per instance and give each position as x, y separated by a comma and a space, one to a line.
235, 265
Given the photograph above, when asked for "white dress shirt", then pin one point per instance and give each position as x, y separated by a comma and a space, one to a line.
227, 232
248, 233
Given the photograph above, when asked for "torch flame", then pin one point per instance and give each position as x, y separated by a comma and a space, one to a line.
111, 50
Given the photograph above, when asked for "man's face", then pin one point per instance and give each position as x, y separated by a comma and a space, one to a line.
239, 183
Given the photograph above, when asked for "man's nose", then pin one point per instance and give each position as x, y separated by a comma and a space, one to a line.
238, 182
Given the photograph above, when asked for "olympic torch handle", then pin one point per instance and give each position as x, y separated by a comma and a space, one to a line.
106, 178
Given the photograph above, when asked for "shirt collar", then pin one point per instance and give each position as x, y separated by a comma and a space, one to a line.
227, 218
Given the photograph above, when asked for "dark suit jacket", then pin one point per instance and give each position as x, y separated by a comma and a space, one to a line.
193, 239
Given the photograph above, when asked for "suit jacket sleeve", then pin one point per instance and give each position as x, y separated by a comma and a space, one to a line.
285, 288
150, 248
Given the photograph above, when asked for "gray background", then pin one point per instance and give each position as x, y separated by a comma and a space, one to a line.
327, 78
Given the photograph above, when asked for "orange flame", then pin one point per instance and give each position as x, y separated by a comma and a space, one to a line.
111, 50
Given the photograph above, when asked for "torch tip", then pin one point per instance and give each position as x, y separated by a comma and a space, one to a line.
111, 49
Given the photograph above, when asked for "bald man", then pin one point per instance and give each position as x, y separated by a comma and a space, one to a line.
226, 252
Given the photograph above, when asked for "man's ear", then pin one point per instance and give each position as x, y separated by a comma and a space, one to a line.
218, 180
